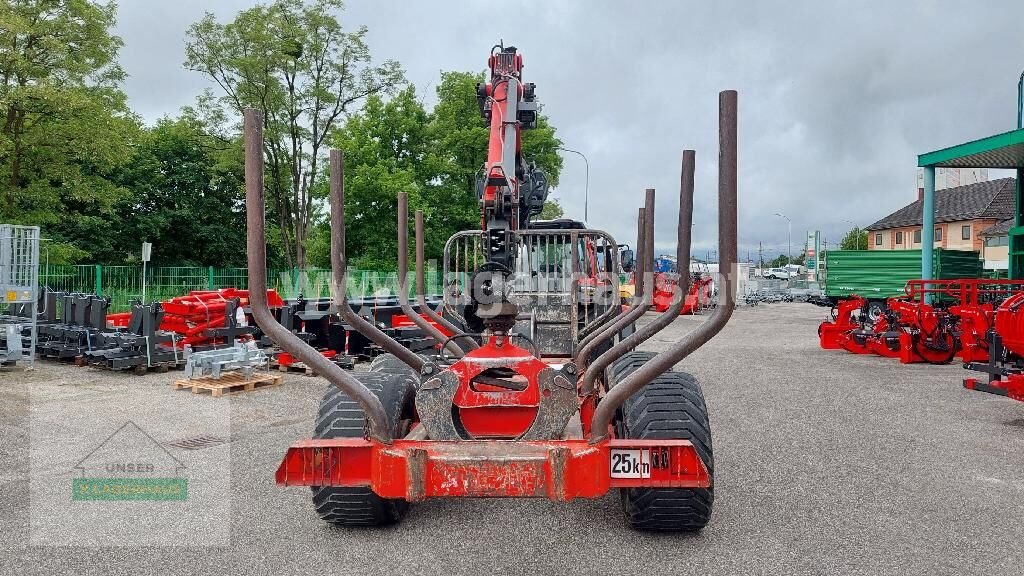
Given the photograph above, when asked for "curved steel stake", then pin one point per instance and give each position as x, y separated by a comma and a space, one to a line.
683, 232
256, 244
727, 246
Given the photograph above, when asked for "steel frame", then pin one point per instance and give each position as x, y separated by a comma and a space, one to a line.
19, 286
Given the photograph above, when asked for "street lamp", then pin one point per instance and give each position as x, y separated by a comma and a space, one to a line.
586, 195
790, 226
857, 239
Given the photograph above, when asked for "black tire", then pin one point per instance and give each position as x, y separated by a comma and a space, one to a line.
670, 407
341, 417
391, 364
626, 364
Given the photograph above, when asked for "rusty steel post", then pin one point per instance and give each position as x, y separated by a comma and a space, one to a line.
339, 268
727, 250
256, 245
643, 259
464, 343
643, 282
612, 274
599, 331
604, 332
403, 278
596, 368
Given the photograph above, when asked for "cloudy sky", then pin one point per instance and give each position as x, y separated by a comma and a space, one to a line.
835, 103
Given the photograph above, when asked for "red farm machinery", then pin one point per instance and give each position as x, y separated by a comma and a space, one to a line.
980, 321
936, 322
535, 387
1003, 344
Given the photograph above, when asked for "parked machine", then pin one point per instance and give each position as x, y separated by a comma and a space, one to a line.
700, 295
537, 392
934, 322
1004, 344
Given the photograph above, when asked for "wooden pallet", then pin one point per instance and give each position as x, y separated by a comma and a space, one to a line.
229, 383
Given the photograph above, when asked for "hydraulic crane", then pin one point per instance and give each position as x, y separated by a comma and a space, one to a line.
510, 190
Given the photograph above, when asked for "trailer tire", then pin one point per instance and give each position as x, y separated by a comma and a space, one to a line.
341, 417
391, 364
626, 364
672, 406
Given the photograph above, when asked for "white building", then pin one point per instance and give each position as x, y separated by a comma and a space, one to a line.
953, 177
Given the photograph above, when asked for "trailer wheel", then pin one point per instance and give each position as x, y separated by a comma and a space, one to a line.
626, 364
672, 406
341, 417
391, 364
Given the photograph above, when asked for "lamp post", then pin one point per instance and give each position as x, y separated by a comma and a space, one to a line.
857, 240
789, 224
586, 193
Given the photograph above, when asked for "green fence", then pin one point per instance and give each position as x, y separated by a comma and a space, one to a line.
124, 283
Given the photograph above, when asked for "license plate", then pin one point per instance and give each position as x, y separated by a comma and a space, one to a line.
630, 463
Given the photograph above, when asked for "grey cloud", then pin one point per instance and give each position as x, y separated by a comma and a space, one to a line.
836, 101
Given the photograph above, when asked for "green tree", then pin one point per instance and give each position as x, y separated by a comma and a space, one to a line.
387, 150
66, 126
293, 61
552, 210
184, 183
783, 260
855, 239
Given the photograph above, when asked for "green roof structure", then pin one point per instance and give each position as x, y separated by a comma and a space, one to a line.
999, 151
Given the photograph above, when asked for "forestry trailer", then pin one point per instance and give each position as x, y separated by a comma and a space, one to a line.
539, 391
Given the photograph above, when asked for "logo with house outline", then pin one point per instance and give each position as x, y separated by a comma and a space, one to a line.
130, 465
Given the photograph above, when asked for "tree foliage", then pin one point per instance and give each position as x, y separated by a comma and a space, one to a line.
783, 260
66, 126
295, 63
855, 239
552, 210
184, 183
76, 160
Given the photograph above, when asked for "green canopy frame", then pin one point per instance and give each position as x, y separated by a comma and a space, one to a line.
1001, 151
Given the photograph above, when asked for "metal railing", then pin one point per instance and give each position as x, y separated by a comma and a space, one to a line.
124, 283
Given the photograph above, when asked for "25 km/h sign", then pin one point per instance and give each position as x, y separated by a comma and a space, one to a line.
631, 463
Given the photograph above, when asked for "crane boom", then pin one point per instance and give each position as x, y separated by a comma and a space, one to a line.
510, 189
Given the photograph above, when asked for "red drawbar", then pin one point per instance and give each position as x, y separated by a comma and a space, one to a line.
555, 469
286, 359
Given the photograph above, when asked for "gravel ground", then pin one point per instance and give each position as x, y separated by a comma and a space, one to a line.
826, 463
